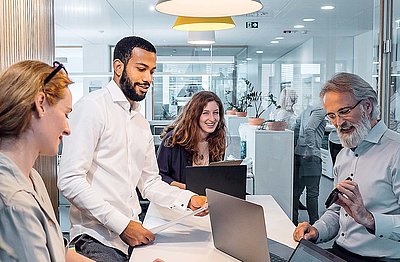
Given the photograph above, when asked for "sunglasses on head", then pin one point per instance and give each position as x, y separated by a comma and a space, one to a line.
58, 66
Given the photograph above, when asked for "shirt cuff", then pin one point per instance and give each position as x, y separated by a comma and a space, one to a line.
117, 222
183, 199
322, 231
383, 225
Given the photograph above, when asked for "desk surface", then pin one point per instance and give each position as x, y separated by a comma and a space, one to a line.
191, 240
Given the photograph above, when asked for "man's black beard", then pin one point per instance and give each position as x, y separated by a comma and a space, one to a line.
129, 88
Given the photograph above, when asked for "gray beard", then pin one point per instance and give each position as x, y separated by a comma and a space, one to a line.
361, 131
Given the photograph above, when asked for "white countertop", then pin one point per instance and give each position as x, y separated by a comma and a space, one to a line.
191, 240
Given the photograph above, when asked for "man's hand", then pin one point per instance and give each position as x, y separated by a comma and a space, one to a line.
177, 184
351, 200
135, 234
306, 231
196, 202
73, 256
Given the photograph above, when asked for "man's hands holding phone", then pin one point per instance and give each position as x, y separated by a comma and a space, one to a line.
333, 196
349, 197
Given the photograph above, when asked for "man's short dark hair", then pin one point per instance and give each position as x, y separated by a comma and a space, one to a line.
123, 49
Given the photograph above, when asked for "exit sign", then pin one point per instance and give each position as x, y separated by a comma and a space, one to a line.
251, 25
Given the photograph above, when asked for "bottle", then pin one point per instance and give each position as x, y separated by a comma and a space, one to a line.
242, 134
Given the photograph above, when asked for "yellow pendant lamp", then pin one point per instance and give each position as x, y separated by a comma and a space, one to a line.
208, 8
185, 23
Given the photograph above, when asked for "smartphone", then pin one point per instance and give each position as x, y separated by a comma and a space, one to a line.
333, 196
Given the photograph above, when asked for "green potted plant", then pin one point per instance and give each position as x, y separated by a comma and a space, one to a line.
241, 106
231, 109
256, 99
272, 124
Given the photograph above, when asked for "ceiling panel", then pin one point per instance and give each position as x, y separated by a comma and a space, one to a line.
80, 22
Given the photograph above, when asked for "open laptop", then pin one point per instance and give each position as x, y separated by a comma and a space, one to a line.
238, 229
230, 180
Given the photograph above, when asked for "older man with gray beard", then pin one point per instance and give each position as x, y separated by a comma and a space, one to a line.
366, 217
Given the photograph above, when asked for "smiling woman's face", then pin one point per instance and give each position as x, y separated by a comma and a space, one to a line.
209, 119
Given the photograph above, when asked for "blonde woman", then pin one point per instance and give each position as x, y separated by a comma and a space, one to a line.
34, 105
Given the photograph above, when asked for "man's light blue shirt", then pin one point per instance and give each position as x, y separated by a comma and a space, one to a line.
375, 166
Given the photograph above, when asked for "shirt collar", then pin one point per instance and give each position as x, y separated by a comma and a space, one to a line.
373, 137
118, 96
16, 173
376, 132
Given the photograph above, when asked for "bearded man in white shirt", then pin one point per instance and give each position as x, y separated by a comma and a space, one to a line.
366, 216
110, 154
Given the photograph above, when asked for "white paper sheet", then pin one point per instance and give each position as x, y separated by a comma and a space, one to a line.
160, 228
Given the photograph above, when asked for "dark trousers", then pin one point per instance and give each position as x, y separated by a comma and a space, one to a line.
349, 256
307, 174
94, 249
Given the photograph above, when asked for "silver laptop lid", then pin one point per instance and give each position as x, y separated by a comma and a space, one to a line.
310, 252
238, 227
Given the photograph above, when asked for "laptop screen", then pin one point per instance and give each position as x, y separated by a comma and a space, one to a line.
312, 253
230, 180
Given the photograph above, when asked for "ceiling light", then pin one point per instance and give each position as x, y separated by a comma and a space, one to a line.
152, 8
259, 51
279, 38
274, 42
309, 19
249, 58
208, 8
327, 7
298, 26
184, 23
201, 37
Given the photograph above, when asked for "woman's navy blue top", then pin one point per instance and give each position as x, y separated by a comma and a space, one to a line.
172, 161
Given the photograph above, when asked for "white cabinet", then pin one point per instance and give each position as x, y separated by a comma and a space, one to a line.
272, 154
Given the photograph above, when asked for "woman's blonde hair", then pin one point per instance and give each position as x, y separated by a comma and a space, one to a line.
186, 127
19, 84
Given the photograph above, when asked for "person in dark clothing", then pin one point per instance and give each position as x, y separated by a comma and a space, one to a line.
196, 137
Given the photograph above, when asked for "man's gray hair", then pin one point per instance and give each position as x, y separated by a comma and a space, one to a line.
356, 86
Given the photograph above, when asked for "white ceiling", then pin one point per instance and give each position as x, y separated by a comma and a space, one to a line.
80, 22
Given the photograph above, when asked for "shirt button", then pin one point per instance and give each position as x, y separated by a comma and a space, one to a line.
381, 236
182, 205
356, 155
351, 174
342, 234
346, 215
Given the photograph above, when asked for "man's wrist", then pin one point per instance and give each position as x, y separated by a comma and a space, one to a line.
370, 222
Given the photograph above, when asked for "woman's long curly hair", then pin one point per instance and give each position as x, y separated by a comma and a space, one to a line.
186, 128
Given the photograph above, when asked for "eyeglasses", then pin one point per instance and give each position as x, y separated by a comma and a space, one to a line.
343, 112
58, 66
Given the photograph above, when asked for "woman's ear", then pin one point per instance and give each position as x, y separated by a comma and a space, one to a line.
40, 99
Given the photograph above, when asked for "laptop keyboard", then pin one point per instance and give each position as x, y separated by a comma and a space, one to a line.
276, 258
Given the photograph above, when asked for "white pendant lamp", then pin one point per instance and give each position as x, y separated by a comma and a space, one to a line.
201, 37
185, 23
208, 8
